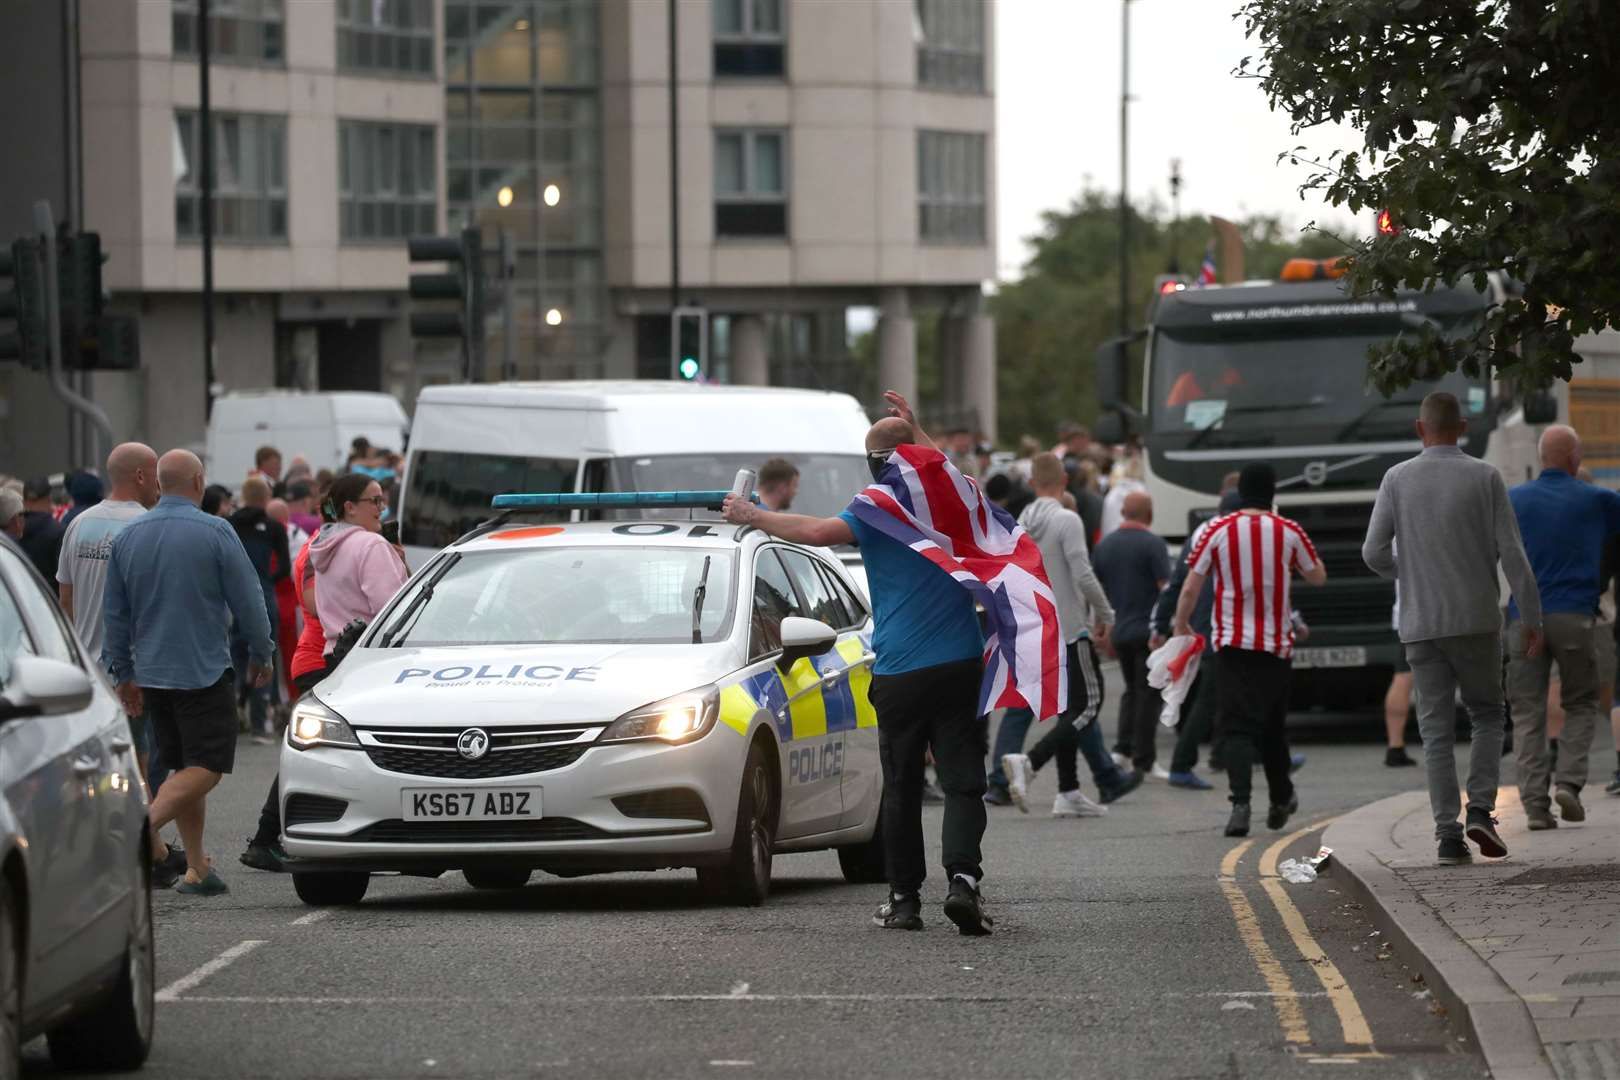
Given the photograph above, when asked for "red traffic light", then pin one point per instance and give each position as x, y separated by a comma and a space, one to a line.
1387, 225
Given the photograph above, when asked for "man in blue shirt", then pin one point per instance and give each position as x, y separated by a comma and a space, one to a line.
175, 578
1565, 524
925, 689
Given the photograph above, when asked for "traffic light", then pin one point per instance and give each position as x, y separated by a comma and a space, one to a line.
689, 344
22, 303
463, 283
86, 343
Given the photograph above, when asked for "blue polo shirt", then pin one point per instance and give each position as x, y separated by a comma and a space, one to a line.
1565, 523
921, 617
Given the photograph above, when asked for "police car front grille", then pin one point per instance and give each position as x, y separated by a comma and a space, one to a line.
517, 761
395, 831
312, 809
680, 803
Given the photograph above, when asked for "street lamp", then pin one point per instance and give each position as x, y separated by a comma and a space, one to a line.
504, 197
552, 195
554, 317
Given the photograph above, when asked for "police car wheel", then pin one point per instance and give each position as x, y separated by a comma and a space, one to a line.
328, 890
502, 877
745, 879
862, 864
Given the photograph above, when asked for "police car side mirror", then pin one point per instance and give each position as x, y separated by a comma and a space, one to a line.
803, 637
43, 687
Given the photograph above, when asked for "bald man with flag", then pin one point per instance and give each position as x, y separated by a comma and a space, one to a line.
933, 544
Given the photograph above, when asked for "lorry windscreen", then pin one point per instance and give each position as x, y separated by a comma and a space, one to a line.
1220, 388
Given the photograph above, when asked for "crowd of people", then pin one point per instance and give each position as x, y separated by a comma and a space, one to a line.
201, 604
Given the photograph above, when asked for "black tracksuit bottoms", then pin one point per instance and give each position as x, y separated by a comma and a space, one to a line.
1252, 702
933, 708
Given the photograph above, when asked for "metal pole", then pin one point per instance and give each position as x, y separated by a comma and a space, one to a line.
45, 227
508, 357
674, 191
1175, 215
1124, 172
72, 195
205, 121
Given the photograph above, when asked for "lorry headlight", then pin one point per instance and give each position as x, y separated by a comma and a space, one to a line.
677, 719
313, 724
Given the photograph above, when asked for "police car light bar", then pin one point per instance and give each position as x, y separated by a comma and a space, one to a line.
615, 500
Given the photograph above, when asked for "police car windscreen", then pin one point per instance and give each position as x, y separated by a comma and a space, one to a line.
827, 482
569, 596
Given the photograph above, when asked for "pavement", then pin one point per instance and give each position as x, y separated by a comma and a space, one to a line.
1139, 945
1523, 951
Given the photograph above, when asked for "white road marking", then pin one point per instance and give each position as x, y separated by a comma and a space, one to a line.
739, 989
312, 917
725, 1062
733, 998
224, 960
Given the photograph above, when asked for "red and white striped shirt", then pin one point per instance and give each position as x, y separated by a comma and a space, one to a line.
1250, 557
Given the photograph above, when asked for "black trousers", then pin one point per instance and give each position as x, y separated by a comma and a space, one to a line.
270, 813
1139, 705
1198, 716
1085, 700
933, 708
1252, 696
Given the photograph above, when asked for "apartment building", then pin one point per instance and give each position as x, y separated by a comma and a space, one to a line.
828, 154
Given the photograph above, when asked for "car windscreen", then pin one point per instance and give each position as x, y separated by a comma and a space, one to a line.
565, 595
827, 482
1278, 378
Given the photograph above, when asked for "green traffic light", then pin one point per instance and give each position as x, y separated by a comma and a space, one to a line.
689, 367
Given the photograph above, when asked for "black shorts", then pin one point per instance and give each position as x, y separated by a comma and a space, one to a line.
195, 728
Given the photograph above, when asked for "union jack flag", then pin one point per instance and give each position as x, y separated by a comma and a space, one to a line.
922, 501
1206, 272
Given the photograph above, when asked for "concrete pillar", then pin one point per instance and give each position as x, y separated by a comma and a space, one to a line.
897, 345
979, 369
750, 360
948, 350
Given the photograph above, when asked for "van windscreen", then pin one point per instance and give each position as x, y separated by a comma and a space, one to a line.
448, 493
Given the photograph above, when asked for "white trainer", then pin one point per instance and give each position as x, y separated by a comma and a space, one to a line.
1075, 804
1160, 772
1018, 771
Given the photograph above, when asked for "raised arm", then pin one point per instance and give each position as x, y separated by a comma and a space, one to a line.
898, 406
794, 528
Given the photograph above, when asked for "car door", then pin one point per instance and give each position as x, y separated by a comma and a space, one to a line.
862, 781
836, 667
51, 800
811, 801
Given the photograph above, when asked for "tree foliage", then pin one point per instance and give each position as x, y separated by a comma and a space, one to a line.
1051, 320
1489, 132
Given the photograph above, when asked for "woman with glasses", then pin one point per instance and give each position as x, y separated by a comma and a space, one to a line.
356, 569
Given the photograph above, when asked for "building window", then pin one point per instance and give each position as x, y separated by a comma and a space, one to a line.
386, 187
950, 187
748, 40
250, 177
950, 44
243, 30
393, 36
750, 183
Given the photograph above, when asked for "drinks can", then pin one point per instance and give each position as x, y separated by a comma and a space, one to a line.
743, 485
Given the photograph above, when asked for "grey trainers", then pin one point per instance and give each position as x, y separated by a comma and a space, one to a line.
1569, 803
1539, 819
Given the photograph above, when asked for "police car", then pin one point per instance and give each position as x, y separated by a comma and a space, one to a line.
590, 697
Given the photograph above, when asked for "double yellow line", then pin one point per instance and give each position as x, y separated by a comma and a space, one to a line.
1290, 1015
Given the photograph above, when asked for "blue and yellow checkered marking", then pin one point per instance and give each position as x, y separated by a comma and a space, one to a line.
802, 707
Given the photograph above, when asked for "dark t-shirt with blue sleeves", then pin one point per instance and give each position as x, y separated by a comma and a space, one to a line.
1564, 523
922, 617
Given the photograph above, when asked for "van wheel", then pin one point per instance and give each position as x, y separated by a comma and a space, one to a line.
11, 955
117, 1034
330, 890
862, 864
497, 877
745, 879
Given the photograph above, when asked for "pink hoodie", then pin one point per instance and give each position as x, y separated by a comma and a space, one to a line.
356, 573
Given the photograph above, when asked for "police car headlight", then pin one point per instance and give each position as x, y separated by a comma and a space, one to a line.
313, 724
677, 719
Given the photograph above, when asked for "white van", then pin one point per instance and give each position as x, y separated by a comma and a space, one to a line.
470, 443
316, 426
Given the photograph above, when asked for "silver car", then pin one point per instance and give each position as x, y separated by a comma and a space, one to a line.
593, 697
75, 903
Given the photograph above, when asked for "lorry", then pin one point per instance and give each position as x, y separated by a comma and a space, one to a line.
1276, 371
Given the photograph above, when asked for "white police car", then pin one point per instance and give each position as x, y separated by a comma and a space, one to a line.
593, 697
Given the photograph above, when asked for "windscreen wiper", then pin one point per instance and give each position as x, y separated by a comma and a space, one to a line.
698, 594
407, 618
1287, 406
1367, 414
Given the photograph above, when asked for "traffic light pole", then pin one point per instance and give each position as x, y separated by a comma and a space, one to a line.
45, 226
205, 121
1124, 169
